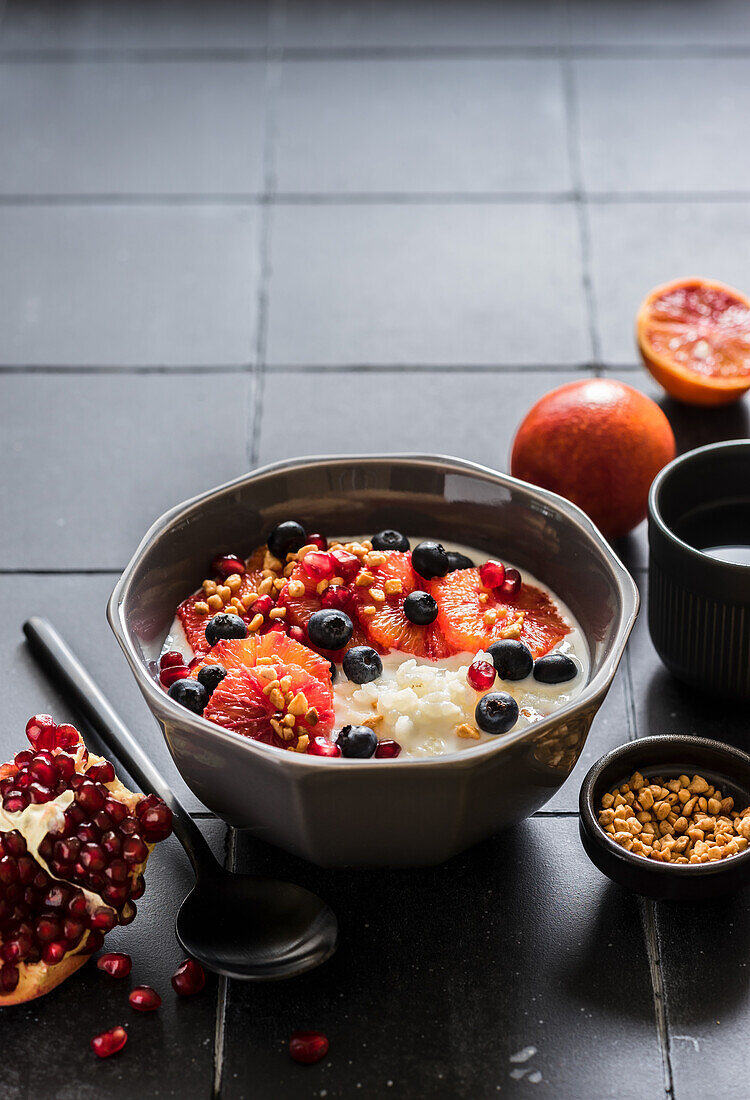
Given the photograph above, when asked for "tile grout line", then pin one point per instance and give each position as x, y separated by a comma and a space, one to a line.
276, 21
576, 173
209, 371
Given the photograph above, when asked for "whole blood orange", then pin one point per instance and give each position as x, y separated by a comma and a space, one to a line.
694, 336
599, 443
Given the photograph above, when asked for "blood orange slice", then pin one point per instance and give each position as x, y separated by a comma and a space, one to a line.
471, 622
246, 652
694, 336
301, 605
242, 703
380, 607
194, 622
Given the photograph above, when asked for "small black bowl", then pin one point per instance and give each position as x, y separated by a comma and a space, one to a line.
667, 755
698, 605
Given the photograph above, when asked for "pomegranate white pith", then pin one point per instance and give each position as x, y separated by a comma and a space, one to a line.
74, 843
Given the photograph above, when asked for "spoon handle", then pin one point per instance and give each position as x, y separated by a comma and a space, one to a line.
75, 683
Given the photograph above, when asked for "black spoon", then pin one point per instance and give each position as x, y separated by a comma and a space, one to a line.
237, 925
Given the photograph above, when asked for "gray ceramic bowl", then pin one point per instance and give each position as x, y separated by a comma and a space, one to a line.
377, 812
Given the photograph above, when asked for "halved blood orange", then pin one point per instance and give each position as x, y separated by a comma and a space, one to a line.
194, 623
471, 623
245, 652
389, 628
694, 336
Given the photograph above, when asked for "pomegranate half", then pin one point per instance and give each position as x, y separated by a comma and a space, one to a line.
74, 843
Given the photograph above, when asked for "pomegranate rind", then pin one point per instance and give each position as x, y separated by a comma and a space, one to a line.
530, 615
36, 979
389, 627
694, 337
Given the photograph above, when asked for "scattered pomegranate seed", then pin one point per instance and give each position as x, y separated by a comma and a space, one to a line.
188, 978
492, 574
318, 540
109, 1042
511, 584
338, 597
276, 626
172, 657
308, 1047
346, 564
226, 564
387, 749
117, 964
319, 565
297, 634
144, 999
321, 746
168, 676
262, 606
481, 675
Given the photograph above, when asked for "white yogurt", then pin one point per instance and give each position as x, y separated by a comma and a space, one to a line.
422, 703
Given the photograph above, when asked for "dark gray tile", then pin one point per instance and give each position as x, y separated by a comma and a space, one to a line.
659, 23
625, 144
664, 704
76, 606
114, 127
704, 1016
444, 974
128, 286
168, 1053
636, 246
422, 125
433, 284
332, 24
611, 727
471, 414
91, 461
139, 24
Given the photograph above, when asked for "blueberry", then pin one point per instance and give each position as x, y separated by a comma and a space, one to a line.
362, 664
225, 625
496, 712
511, 658
458, 561
286, 538
189, 693
555, 668
211, 676
334, 671
390, 540
430, 560
357, 741
329, 628
420, 608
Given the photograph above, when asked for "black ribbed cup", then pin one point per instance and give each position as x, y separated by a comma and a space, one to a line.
699, 607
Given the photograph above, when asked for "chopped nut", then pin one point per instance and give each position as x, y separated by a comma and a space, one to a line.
393, 587
296, 589
468, 732
215, 603
490, 617
265, 672
373, 721
209, 587
255, 623
321, 586
302, 743
311, 717
377, 594
369, 610
364, 579
277, 613
298, 704
233, 582
276, 698
201, 607
265, 586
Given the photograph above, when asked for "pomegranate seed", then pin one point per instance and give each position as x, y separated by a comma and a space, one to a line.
93, 943
40, 730
103, 919
15, 801
318, 540
195, 662
53, 953
117, 964
109, 1042
511, 584
492, 574
117, 870
338, 597
23, 759
276, 626
170, 659
156, 823
144, 999
43, 772
321, 746
387, 749
73, 930
319, 565
226, 564
47, 929
481, 675
8, 978
101, 773
67, 737
90, 797
297, 634
39, 794
168, 676
346, 564
138, 888
262, 606
64, 765
188, 978
308, 1047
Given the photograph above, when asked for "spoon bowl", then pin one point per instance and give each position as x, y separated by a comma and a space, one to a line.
242, 926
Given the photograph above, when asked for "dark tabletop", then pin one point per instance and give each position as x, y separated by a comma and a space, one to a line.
232, 233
